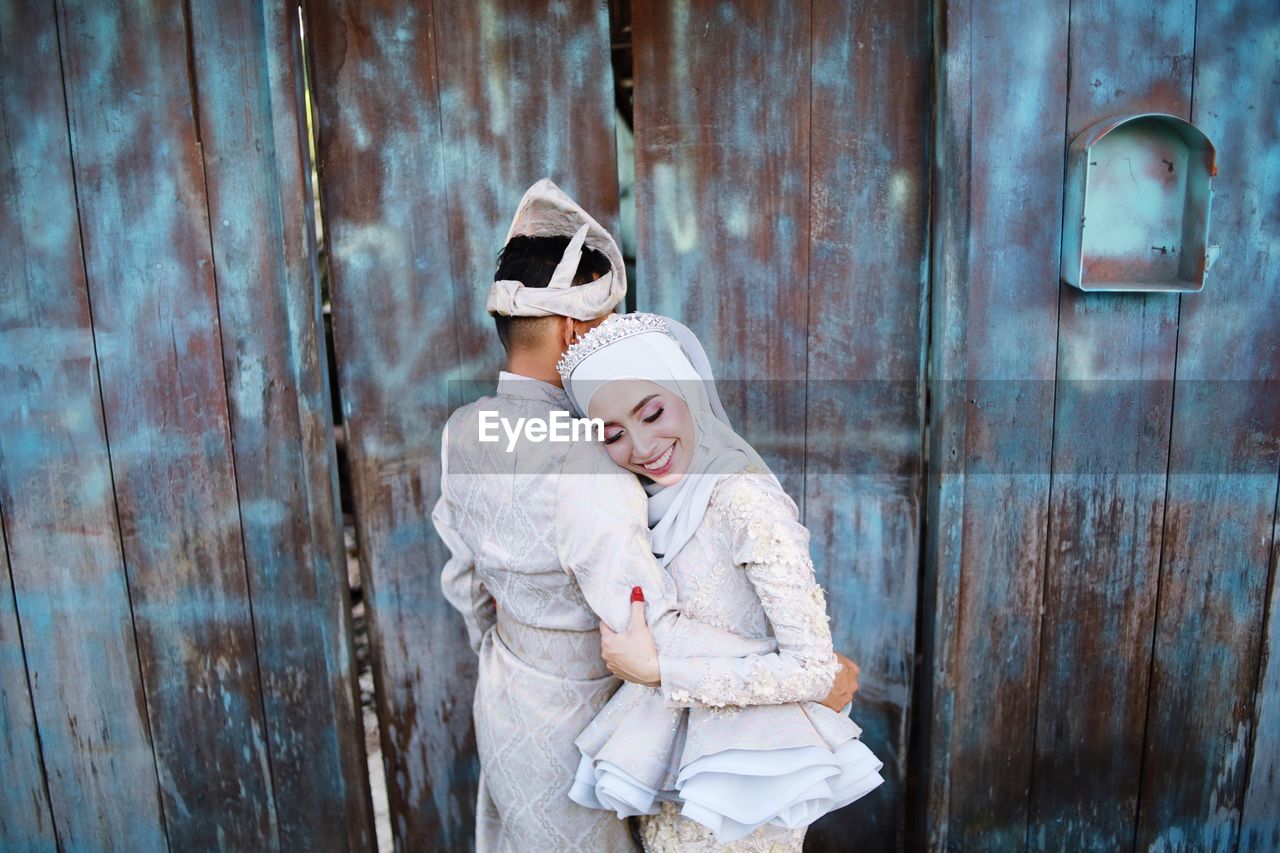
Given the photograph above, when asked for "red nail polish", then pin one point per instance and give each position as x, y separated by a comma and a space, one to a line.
637, 594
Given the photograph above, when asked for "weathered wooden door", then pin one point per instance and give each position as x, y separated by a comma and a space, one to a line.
1103, 466
175, 657
859, 207
1045, 518
781, 204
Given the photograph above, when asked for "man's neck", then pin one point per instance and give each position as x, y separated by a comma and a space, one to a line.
533, 367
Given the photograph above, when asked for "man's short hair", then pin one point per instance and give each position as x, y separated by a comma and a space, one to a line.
532, 261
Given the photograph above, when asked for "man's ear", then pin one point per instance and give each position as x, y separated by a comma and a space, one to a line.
568, 331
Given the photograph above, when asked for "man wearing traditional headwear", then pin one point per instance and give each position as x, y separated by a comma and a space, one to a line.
548, 540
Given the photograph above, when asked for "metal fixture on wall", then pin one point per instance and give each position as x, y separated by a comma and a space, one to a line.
1136, 205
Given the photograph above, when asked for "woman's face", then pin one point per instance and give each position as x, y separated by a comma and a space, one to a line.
647, 429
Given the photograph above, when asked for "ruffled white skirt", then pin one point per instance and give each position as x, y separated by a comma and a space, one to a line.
733, 772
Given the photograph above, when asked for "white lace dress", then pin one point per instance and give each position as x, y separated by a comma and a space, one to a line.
734, 753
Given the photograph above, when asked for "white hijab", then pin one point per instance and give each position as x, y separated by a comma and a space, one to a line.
665, 352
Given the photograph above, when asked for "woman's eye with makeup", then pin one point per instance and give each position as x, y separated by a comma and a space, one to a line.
611, 438
654, 416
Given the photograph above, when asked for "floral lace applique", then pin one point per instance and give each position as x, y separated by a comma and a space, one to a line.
700, 604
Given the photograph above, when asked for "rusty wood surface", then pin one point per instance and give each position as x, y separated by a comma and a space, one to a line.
433, 121
26, 817
997, 203
26, 821
383, 194
722, 202
248, 67
1209, 733
172, 538
1222, 569
1110, 453
146, 242
1260, 815
65, 580
526, 92
868, 214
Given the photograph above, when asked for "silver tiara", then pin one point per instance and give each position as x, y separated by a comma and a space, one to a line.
610, 331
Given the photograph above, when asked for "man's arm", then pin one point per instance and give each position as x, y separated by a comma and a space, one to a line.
458, 580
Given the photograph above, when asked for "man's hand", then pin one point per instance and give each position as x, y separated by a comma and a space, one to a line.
631, 655
846, 684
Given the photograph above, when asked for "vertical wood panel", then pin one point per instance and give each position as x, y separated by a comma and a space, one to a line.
63, 550
951, 203
722, 201
383, 190
866, 336
998, 191
433, 122
248, 70
26, 823
526, 92
1260, 817
147, 257
1111, 431
1219, 529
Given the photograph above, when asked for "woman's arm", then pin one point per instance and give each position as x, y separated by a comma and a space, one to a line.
770, 544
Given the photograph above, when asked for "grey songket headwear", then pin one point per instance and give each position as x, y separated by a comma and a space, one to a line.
545, 211
663, 351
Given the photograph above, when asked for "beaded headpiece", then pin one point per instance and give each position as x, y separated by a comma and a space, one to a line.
610, 331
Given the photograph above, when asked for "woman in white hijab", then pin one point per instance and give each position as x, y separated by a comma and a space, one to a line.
728, 753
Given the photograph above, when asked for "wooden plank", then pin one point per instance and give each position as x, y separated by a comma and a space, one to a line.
951, 205
722, 202
998, 210
433, 122
384, 197
65, 582
868, 202
1260, 817
1110, 454
147, 257
1206, 736
248, 65
526, 92
1235, 64
26, 822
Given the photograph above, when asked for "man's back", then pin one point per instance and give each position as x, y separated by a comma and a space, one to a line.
541, 677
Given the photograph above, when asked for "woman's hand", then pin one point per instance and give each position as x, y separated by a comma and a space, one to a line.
632, 655
846, 684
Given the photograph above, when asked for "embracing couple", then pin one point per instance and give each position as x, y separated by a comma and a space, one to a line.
663, 552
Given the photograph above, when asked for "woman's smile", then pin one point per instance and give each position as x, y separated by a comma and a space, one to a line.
662, 464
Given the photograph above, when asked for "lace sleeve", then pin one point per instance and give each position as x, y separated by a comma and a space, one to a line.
770, 544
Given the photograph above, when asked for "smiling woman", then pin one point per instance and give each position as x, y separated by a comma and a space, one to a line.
647, 429
727, 750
